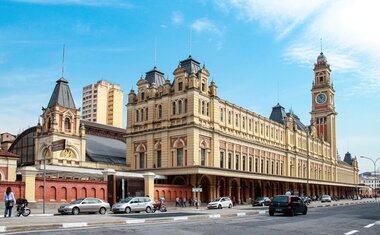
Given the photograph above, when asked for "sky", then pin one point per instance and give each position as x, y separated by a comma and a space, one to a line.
259, 53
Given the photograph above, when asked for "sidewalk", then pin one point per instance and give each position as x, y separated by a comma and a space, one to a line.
37, 220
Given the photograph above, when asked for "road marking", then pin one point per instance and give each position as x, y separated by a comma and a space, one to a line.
369, 225
180, 218
135, 221
3, 229
73, 225
214, 216
241, 214
41, 215
351, 232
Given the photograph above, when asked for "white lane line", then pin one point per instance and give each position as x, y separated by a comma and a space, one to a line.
180, 218
262, 212
214, 216
3, 229
135, 221
241, 214
369, 225
351, 232
74, 225
41, 215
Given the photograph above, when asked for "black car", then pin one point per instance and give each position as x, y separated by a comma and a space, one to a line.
290, 205
261, 201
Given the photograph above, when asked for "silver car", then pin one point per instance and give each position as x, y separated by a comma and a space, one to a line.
325, 198
85, 205
135, 204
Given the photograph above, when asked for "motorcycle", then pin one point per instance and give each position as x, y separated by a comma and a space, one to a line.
22, 207
158, 206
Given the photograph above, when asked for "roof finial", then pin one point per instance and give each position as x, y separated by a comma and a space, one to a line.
321, 46
63, 60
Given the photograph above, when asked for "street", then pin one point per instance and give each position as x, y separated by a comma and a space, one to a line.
351, 219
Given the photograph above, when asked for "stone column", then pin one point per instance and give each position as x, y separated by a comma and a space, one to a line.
107, 172
29, 178
149, 184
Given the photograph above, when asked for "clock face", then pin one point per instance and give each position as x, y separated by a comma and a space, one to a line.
321, 98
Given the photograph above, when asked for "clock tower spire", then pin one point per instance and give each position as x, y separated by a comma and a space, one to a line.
323, 114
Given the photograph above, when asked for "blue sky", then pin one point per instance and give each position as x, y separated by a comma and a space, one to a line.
258, 53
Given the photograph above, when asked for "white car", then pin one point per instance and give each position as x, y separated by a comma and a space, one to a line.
135, 204
325, 198
220, 202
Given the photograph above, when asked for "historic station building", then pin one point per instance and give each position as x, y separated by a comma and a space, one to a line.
185, 131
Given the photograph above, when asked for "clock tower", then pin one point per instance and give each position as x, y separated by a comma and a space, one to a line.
323, 114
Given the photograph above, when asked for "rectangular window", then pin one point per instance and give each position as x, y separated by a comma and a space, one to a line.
237, 162
174, 108
203, 157
267, 166
250, 125
256, 165
207, 108
141, 160
243, 123
185, 105
180, 157
243, 163
203, 87
250, 164
180, 86
272, 166
237, 119
221, 159
146, 114
229, 117
221, 114
229, 160
142, 96
159, 158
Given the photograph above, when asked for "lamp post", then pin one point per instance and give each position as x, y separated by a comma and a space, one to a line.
308, 153
374, 171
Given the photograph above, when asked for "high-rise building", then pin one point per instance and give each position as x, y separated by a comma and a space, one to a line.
103, 103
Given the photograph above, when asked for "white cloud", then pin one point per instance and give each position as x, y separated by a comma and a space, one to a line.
282, 16
205, 25
92, 3
177, 17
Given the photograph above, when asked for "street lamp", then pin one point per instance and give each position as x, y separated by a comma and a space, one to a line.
308, 153
374, 171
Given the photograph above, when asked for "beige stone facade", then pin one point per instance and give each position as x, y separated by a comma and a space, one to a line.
103, 103
184, 130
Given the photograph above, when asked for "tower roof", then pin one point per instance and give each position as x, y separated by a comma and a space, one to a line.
321, 57
348, 158
155, 76
190, 65
62, 95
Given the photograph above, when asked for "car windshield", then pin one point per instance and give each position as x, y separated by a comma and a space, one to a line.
280, 199
325, 196
259, 198
125, 200
216, 199
77, 201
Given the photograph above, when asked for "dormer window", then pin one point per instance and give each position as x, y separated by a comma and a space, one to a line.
321, 79
142, 96
180, 86
203, 87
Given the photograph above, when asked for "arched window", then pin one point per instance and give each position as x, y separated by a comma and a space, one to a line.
146, 114
180, 86
243, 163
229, 160
159, 111
185, 105
67, 124
207, 108
203, 108
237, 162
142, 115
48, 123
179, 156
203, 156
229, 117
180, 106
141, 160
174, 108
137, 115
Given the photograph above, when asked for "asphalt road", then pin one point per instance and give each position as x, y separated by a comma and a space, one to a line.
361, 219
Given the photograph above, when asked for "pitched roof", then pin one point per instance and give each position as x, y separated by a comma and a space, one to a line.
155, 76
62, 95
4, 153
278, 114
190, 65
106, 150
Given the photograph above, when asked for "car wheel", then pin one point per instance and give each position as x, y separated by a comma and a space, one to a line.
304, 212
230, 206
148, 209
271, 213
75, 211
292, 212
102, 210
127, 210
219, 206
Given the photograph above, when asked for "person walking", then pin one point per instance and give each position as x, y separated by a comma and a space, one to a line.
9, 199
177, 201
184, 201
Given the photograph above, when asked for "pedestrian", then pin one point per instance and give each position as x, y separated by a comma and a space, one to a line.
177, 201
190, 202
233, 201
9, 199
288, 193
184, 201
196, 202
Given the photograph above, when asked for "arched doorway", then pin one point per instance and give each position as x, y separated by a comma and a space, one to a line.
257, 189
205, 185
222, 188
234, 189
